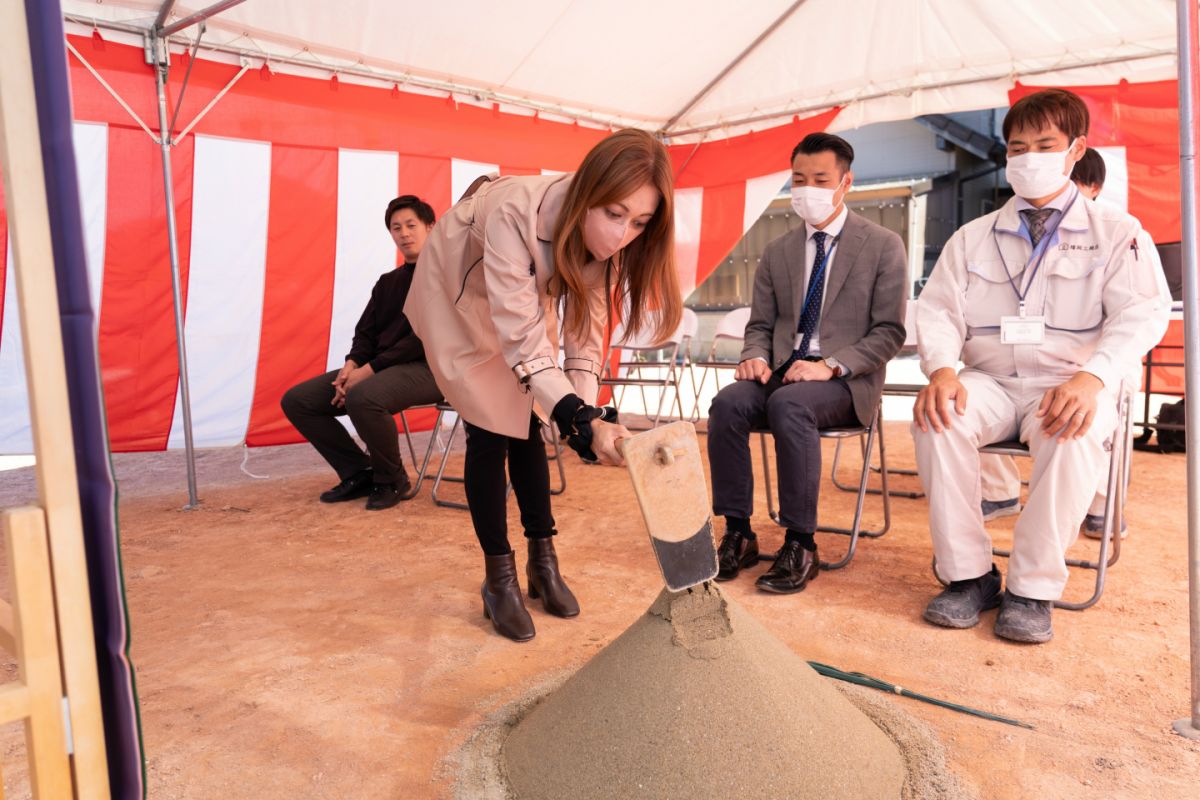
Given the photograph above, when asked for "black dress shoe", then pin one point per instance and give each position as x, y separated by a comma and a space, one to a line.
737, 550
386, 495
794, 567
356, 486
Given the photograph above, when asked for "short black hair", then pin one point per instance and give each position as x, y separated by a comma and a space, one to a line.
1049, 107
820, 142
1090, 170
423, 210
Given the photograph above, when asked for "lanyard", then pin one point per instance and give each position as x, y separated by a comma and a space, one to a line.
818, 270
1035, 258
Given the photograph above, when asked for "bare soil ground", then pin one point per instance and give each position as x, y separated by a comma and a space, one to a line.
288, 649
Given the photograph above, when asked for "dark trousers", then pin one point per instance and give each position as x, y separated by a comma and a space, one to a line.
794, 412
486, 487
371, 406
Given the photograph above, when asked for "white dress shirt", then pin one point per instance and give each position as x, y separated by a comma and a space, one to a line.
834, 229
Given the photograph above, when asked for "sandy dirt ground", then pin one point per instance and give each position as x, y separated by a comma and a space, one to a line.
288, 649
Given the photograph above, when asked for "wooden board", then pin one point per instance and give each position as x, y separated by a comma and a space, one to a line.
668, 479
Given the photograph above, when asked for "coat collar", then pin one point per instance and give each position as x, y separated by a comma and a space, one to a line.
551, 206
848, 247
1076, 219
853, 235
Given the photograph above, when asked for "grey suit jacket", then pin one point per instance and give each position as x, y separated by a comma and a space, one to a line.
862, 317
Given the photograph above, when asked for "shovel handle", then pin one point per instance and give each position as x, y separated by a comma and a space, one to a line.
662, 454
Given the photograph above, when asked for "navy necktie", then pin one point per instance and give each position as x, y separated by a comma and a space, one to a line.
810, 315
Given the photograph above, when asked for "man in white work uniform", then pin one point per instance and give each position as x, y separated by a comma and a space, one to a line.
1044, 303
1000, 479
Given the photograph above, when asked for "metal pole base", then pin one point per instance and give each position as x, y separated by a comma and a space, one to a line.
1185, 729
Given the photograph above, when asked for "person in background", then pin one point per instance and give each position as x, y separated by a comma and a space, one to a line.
1046, 303
827, 316
999, 477
486, 301
385, 372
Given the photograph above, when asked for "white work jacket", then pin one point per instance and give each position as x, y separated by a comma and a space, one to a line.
1101, 296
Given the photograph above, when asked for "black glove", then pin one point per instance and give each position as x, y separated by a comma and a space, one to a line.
574, 418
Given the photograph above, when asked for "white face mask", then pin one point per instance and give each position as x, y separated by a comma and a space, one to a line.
814, 204
1034, 175
602, 236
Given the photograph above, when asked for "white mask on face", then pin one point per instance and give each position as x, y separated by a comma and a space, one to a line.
1034, 175
813, 204
603, 236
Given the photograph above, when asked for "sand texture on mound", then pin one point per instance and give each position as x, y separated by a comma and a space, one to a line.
698, 700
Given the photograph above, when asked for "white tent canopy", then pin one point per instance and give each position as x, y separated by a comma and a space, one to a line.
694, 68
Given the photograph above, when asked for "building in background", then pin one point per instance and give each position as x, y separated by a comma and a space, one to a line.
922, 178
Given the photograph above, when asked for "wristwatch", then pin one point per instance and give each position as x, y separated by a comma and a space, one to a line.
833, 364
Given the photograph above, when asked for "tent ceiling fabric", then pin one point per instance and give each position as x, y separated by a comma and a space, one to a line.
632, 62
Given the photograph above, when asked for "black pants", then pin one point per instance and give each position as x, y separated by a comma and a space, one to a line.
371, 405
794, 412
486, 487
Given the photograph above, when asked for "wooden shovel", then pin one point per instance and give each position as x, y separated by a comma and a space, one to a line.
668, 479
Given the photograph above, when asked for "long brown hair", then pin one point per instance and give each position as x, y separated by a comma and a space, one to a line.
646, 282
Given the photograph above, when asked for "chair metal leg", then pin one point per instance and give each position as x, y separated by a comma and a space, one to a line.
698, 388
557, 459
424, 468
833, 473
767, 482
855, 530
441, 473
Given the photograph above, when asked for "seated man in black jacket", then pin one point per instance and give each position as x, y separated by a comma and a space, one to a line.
384, 374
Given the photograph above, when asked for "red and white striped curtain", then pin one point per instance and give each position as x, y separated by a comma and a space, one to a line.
279, 200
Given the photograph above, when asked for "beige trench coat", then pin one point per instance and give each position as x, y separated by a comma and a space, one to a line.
480, 302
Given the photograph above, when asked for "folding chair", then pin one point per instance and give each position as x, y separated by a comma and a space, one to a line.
730, 329
639, 348
1118, 447
412, 451
867, 434
893, 390
443, 409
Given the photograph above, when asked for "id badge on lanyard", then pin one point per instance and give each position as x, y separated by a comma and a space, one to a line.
1023, 328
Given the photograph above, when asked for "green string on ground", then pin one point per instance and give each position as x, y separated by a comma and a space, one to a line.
874, 683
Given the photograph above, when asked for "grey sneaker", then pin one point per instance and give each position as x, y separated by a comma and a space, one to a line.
1022, 619
959, 604
1093, 526
994, 509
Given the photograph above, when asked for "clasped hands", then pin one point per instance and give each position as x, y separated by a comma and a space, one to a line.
349, 376
755, 369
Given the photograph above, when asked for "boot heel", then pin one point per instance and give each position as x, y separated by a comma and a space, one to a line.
534, 594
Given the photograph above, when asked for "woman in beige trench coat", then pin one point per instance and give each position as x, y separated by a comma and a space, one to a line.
485, 301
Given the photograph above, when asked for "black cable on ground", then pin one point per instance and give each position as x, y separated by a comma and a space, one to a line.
874, 683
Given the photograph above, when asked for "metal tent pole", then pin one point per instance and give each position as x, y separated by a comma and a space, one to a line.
160, 54
1190, 726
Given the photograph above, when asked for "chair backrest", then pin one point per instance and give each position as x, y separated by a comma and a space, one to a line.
644, 340
731, 327
733, 324
689, 324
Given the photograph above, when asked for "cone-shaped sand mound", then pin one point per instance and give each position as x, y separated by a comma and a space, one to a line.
697, 700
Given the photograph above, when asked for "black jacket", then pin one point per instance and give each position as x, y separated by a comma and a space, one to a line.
383, 336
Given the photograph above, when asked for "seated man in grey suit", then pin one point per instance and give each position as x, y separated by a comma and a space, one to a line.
828, 314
